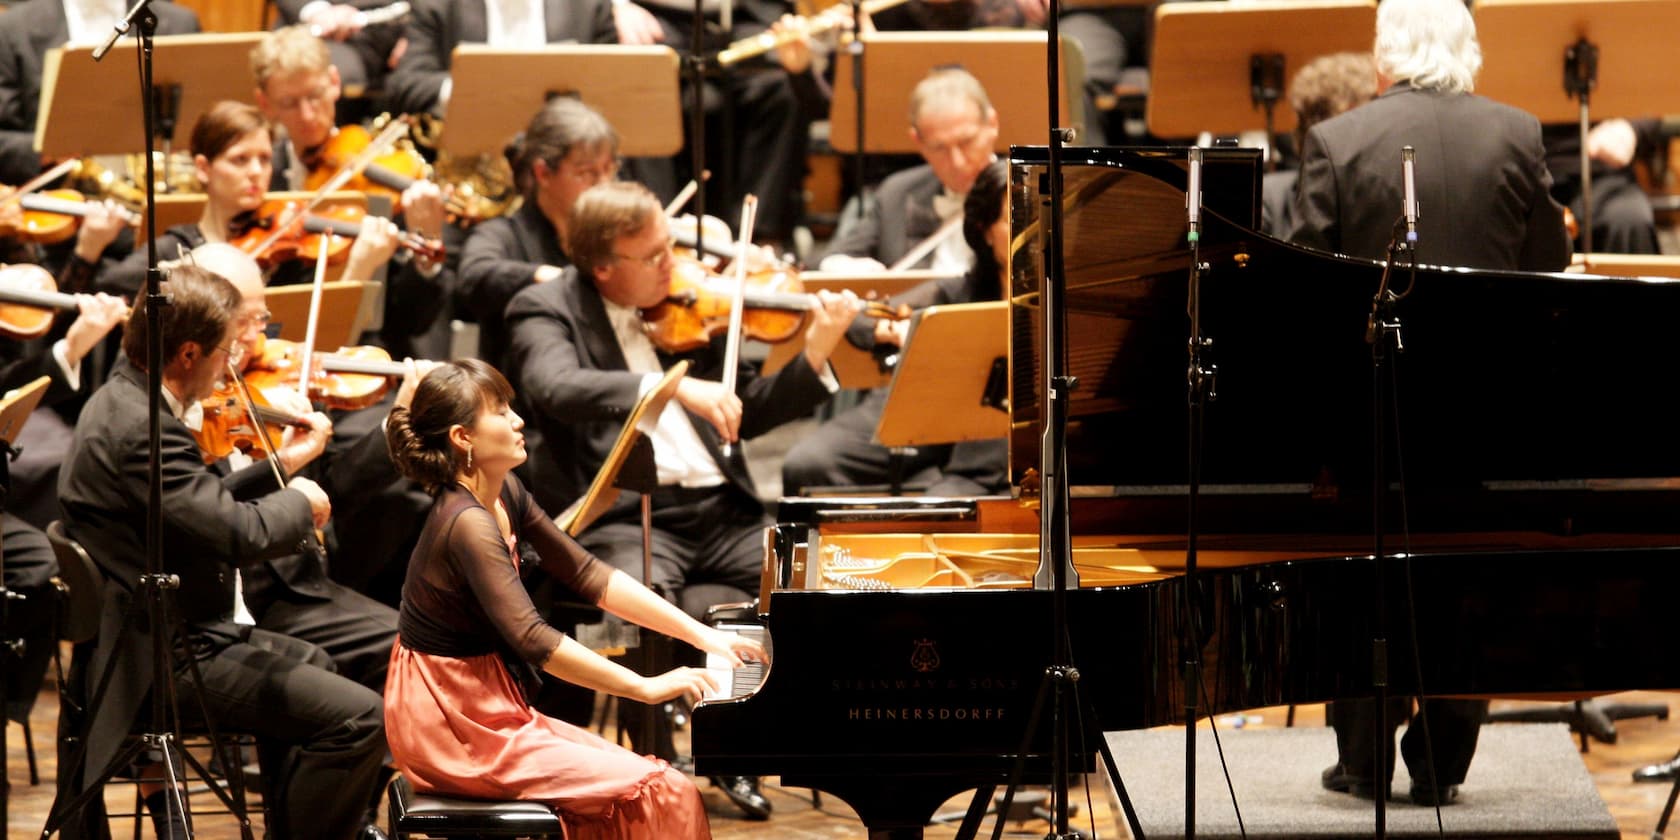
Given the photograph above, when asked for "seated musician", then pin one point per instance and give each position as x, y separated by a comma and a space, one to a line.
1623, 219
363, 51
842, 452
298, 89
321, 759
471, 638
567, 148
583, 359
233, 155
1325, 87
1483, 187
954, 127
27, 31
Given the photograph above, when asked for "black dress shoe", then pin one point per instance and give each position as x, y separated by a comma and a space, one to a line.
1336, 778
1664, 772
1431, 797
743, 791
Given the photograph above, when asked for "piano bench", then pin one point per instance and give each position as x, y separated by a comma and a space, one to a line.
411, 814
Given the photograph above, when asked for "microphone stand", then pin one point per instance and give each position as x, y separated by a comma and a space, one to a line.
696, 68
1201, 375
1580, 76
1382, 332
855, 50
155, 585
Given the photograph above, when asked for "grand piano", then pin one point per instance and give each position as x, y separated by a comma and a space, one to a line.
1532, 443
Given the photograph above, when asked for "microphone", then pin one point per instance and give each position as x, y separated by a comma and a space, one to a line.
1193, 196
1409, 206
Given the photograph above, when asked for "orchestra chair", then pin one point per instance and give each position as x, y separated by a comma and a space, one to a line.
24, 686
412, 814
78, 623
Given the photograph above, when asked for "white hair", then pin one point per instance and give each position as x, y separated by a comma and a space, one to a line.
1430, 43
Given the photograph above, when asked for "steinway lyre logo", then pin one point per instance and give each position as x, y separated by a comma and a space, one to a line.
924, 656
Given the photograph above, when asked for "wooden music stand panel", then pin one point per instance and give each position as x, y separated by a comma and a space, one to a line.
1523, 46
942, 376
495, 92
17, 404
603, 490
855, 368
1009, 65
91, 108
1199, 64
342, 318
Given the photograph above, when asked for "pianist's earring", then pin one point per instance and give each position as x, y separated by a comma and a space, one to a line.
469, 459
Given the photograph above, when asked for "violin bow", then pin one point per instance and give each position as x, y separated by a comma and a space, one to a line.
257, 423
378, 146
926, 246
314, 319
682, 198
36, 183
732, 344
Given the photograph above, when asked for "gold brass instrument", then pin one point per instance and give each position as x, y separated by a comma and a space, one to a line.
483, 182
766, 41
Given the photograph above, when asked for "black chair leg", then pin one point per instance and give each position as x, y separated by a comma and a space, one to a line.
1668, 810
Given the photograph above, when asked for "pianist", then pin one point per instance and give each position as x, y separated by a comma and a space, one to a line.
470, 639
1482, 185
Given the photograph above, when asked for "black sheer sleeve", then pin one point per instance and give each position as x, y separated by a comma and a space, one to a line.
561, 555
482, 559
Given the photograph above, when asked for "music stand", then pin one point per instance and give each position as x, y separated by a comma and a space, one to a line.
603, 490
15, 407
495, 92
82, 100
1625, 265
345, 306
1214, 64
939, 388
853, 367
1609, 49
894, 62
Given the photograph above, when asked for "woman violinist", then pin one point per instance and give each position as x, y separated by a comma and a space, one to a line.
233, 158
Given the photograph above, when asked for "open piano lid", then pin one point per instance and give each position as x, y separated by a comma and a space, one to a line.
1532, 401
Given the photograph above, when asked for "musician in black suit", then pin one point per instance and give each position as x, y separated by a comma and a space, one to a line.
582, 360
954, 127
435, 27
567, 148
319, 734
361, 50
1482, 187
27, 31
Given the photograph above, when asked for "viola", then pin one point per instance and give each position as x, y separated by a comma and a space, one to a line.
277, 232
776, 307
28, 299
53, 216
228, 427
350, 379
388, 174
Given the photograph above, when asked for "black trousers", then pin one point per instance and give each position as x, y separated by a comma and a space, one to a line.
1448, 728
842, 452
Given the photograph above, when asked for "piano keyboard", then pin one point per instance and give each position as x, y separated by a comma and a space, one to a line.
742, 681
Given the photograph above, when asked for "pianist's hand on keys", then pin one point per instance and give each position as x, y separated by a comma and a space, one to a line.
737, 667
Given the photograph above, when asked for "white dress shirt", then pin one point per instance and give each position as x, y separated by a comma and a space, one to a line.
679, 454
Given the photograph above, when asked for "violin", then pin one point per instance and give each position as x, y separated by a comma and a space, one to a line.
352, 378
277, 232
53, 216
388, 174
775, 307
28, 299
227, 427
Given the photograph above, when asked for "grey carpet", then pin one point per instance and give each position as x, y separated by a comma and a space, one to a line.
1526, 781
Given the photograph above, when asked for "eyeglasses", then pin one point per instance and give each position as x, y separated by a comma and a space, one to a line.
652, 260
234, 352
591, 175
966, 141
318, 96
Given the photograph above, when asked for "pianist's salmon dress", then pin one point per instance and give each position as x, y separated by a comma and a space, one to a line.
455, 717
